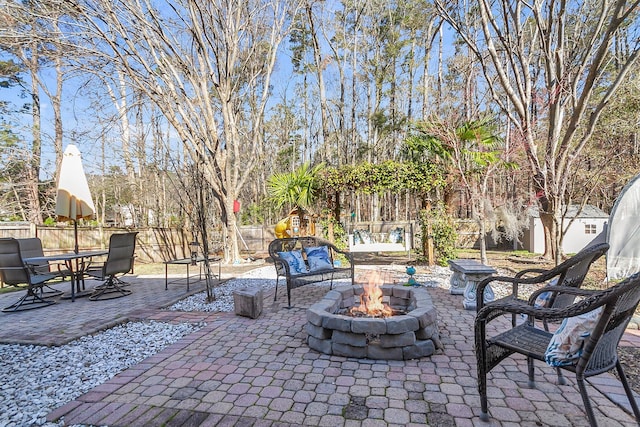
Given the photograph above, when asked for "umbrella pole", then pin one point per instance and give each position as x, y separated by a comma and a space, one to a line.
75, 235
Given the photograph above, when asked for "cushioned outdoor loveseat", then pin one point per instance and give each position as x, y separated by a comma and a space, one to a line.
305, 260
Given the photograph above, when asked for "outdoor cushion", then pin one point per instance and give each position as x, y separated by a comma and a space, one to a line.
545, 297
318, 258
568, 341
362, 237
295, 261
396, 235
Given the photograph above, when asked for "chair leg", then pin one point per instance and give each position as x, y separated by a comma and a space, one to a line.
116, 281
110, 289
531, 370
482, 389
481, 358
627, 389
561, 379
585, 400
29, 301
275, 294
51, 292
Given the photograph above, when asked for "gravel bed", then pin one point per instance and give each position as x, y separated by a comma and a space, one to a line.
264, 277
35, 380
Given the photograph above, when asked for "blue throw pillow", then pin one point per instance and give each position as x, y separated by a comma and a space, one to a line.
318, 258
295, 261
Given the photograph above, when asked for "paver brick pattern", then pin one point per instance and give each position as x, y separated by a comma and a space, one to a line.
238, 371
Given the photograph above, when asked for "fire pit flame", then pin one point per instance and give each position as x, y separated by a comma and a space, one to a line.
371, 304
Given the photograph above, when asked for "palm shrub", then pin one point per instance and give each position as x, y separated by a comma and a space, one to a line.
297, 189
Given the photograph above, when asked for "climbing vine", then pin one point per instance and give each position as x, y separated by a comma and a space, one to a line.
422, 178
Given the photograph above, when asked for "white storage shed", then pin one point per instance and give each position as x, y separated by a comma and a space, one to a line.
588, 223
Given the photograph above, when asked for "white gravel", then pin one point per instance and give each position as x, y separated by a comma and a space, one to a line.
35, 380
264, 277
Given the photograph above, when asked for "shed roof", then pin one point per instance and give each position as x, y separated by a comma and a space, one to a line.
588, 211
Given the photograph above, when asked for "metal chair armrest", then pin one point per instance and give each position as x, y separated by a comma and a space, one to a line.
277, 259
515, 282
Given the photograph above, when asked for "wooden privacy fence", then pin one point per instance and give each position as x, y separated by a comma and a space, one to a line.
163, 244
153, 244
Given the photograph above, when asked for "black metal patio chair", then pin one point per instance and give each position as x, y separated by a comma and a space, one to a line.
31, 247
596, 355
119, 261
13, 271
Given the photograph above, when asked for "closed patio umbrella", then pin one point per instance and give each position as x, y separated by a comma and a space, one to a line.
73, 198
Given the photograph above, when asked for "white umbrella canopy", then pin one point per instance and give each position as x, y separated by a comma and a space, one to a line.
623, 233
73, 197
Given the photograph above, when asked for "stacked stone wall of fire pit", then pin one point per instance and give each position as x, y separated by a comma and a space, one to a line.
399, 337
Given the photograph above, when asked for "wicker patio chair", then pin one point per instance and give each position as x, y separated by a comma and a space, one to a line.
571, 272
598, 353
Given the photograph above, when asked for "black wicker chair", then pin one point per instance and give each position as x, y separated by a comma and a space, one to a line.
599, 353
569, 273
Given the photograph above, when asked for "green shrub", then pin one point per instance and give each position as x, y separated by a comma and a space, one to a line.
443, 233
253, 214
341, 239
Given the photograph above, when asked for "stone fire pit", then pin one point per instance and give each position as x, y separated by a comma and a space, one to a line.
399, 337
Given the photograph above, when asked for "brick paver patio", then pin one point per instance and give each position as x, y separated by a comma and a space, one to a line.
239, 371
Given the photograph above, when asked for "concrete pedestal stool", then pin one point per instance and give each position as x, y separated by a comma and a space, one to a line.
467, 273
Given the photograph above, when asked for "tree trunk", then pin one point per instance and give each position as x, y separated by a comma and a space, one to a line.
231, 227
35, 215
56, 101
550, 232
483, 241
317, 55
